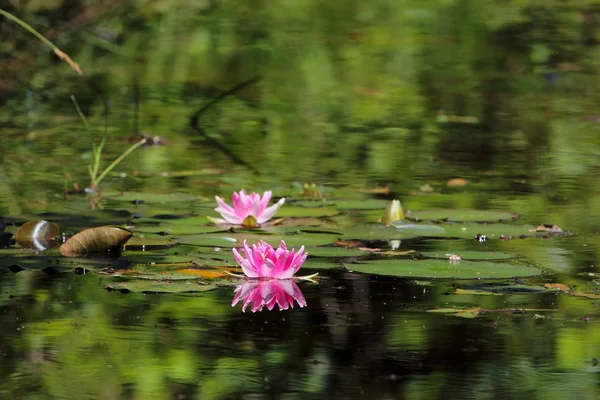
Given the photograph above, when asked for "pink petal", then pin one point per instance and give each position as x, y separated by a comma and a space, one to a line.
227, 212
235, 199
249, 270
223, 205
237, 256
264, 202
268, 213
267, 269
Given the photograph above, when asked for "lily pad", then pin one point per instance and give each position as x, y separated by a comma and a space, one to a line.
367, 204
151, 198
184, 226
335, 252
230, 240
103, 239
472, 255
444, 269
144, 286
462, 215
319, 264
296, 212
148, 243
375, 231
492, 231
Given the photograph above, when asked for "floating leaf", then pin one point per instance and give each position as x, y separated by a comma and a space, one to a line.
103, 239
475, 292
151, 198
462, 215
367, 204
144, 286
443, 269
375, 231
295, 212
424, 230
472, 255
334, 252
320, 264
491, 231
148, 243
463, 313
184, 226
35, 230
560, 286
229, 240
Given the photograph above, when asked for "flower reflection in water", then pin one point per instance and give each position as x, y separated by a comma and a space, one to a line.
259, 293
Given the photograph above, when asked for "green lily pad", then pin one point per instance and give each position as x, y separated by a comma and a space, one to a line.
151, 198
472, 255
462, 215
296, 212
184, 226
312, 203
367, 204
375, 231
492, 231
335, 252
507, 289
143, 286
444, 269
230, 240
319, 264
148, 243
426, 230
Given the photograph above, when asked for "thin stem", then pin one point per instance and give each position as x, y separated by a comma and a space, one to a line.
59, 53
97, 154
87, 127
29, 28
118, 160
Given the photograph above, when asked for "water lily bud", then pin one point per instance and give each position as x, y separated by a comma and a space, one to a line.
393, 212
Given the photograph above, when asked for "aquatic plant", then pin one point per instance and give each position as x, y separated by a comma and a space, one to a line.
263, 261
249, 210
94, 169
261, 293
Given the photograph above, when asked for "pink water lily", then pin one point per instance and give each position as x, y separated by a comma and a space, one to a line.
259, 293
247, 205
263, 261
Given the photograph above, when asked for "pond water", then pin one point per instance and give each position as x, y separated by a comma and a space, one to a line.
481, 117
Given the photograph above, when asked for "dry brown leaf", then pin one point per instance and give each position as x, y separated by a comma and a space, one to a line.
562, 287
103, 239
457, 182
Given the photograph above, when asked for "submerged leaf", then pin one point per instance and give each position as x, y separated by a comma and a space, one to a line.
103, 239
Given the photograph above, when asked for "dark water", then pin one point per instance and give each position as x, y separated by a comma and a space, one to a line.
370, 101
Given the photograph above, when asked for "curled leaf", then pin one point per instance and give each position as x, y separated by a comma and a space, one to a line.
38, 235
103, 239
